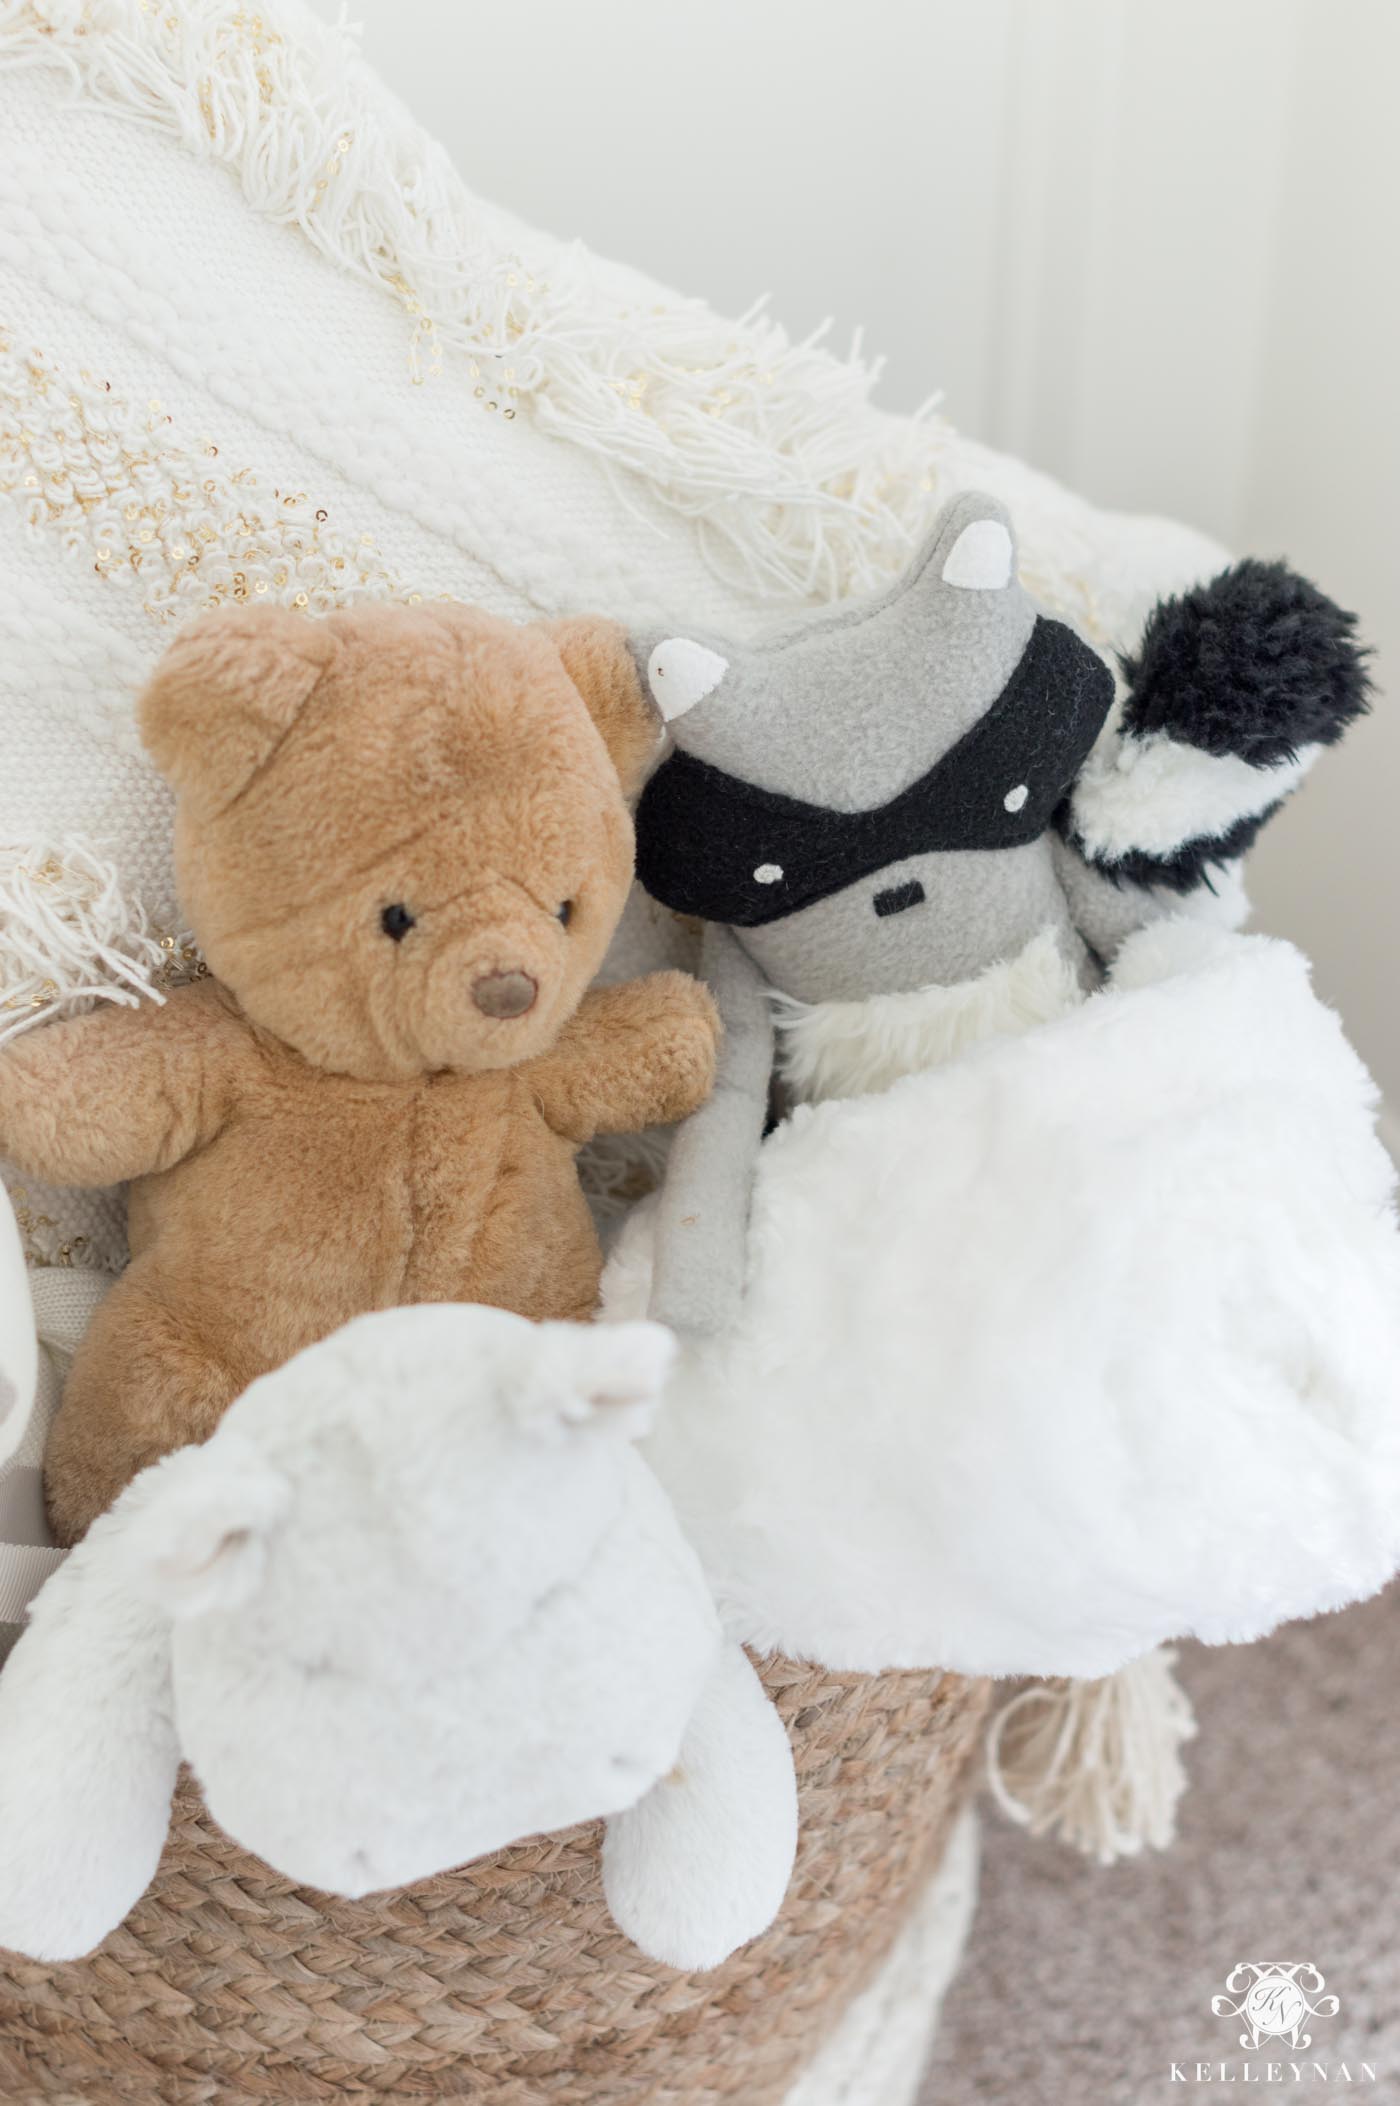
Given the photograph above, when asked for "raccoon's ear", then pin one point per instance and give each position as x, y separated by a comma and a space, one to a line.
972, 547
680, 673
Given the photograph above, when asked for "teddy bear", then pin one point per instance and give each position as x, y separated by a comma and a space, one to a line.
912, 821
403, 840
387, 1648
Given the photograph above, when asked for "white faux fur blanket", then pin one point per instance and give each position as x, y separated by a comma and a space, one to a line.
1086, 1340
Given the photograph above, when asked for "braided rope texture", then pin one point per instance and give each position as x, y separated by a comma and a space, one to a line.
507, 1982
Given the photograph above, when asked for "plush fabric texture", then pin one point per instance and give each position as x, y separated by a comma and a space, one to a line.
206, 258
307, 450
1257, 662
1147, 799
714, 845
735, 1755
1236, 688
866, 801
216, 300
19, 1358
853, 1049
1186, 868
49, 1316
403, 841
385, 1656
905, 674
88, 1752
1085, 1340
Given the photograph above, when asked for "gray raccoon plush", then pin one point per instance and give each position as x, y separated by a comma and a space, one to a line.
900, 794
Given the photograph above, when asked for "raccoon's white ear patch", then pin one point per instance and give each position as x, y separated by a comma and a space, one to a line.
681, 673
981, 559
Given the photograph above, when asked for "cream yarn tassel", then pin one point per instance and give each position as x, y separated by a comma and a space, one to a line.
69, 937
800, 484
1097, 1764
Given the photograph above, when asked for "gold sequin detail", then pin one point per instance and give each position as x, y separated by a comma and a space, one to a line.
43, 1240
181, 964
125, 493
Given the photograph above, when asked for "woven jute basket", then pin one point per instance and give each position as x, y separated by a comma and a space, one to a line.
507, 1981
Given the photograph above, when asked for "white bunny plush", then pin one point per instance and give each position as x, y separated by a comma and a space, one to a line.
19, 1350
417, 1598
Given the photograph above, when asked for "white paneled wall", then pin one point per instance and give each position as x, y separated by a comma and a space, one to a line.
1153, 245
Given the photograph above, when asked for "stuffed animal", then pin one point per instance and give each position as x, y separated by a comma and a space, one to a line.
389, 1642
929, 795
403, 841
19, 1350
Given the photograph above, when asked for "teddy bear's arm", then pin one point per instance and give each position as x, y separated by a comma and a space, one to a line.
117, 1094
642, 1054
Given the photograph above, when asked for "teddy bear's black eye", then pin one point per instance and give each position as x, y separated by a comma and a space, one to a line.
565, 914
396, 921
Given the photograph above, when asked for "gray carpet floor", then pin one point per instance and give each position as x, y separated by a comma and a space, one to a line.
1082, 1986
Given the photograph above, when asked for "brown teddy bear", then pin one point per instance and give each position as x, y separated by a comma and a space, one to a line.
403, 840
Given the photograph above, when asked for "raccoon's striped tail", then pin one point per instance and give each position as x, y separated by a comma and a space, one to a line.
1235, 690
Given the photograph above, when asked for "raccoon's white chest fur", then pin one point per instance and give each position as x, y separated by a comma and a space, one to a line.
855, 1049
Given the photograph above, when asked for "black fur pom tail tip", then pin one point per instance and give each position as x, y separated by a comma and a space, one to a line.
1258, 663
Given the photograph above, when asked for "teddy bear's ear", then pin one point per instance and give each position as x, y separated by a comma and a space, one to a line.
597, 660
225, 693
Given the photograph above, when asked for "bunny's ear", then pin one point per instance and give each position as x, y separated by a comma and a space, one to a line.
203, 1538
681, 672
624, 1373
604, 1378
225, 695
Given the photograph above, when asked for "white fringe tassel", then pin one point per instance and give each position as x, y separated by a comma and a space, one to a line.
796, 481
69, 937
1097, 1764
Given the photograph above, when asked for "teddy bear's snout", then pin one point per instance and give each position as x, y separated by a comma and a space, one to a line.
504, 995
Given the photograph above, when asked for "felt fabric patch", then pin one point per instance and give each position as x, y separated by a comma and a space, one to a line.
713, 845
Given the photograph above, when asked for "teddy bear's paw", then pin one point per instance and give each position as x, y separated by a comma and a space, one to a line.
696, 1032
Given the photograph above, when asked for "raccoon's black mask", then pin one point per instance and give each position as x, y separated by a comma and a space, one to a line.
712, 845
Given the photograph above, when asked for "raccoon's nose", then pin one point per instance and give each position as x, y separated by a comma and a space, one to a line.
898, 897
504, 995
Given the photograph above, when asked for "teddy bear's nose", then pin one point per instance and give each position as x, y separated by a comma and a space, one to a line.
504, 994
